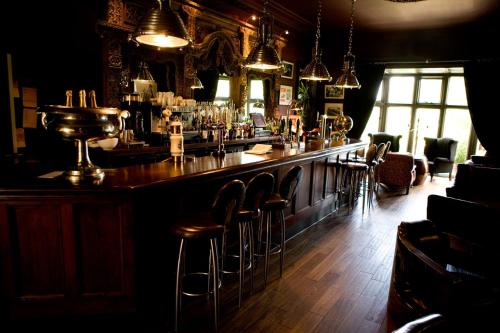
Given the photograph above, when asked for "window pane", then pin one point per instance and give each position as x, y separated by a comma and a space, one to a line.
426, 125
256, 89
222, 89
372, 124
457, 125
401, 89
379, 93
456, 91
430, 91
398, 122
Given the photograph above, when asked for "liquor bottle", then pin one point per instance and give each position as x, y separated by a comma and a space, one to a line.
93, 102
69, 98
204, 129
83, 98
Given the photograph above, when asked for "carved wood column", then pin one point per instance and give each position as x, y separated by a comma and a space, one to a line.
193, 13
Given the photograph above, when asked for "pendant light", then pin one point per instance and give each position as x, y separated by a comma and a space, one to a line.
316, 70
162, 27
263, 56
196, 81
348, 78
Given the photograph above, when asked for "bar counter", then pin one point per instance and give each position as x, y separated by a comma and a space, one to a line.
95, 249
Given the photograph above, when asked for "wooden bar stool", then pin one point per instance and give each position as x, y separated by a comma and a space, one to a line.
277, 204
258, 191
228, 201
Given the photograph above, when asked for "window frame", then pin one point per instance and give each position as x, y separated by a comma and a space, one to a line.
383, 104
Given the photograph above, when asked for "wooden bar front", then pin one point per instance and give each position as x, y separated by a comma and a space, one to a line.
96, 249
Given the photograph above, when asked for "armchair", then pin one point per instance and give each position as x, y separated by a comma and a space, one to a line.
440, 153
398, 170
378, 138
448, 264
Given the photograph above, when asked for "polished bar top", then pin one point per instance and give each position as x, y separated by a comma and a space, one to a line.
161, 173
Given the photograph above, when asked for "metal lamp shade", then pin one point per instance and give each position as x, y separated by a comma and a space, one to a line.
197, 83
263, 57
162, 27
316, 71
348, 79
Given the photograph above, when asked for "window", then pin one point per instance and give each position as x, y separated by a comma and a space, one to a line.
372, 124
424, 102
256, 94
223, 91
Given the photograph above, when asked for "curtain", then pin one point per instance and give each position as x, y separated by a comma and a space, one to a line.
358, 103
481, 82
209, 78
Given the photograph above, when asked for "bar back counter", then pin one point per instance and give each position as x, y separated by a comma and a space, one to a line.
70, 250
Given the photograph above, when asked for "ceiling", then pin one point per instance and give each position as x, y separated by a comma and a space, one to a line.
387, 15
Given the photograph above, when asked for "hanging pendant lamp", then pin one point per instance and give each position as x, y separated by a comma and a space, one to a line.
348, 79
162, 27
263, 56
316, 70
196, 83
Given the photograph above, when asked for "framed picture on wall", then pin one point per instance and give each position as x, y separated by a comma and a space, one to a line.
287, 70
333, 109
286, 95
333, 92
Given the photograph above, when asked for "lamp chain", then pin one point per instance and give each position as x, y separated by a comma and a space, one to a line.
266, 4
351, 28
318, 28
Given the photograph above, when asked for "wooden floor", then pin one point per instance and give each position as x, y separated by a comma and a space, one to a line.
336, 277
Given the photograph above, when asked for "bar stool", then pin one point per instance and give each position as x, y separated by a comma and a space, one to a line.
258, 191
209, 227
357, 174
277, 204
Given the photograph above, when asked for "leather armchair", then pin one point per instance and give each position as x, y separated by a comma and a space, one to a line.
378, 138
448, 264
440, 153
398, 170
476, 183
433, 323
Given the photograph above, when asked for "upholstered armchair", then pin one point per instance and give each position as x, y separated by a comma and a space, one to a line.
448, 264
378, 138
440, 153
397, 171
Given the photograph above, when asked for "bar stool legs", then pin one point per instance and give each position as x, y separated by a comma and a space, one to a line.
215, 268
281, 250
178, 285
282, 246
213, 276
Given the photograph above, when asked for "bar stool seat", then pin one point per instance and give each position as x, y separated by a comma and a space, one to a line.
275, 202
197, 228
